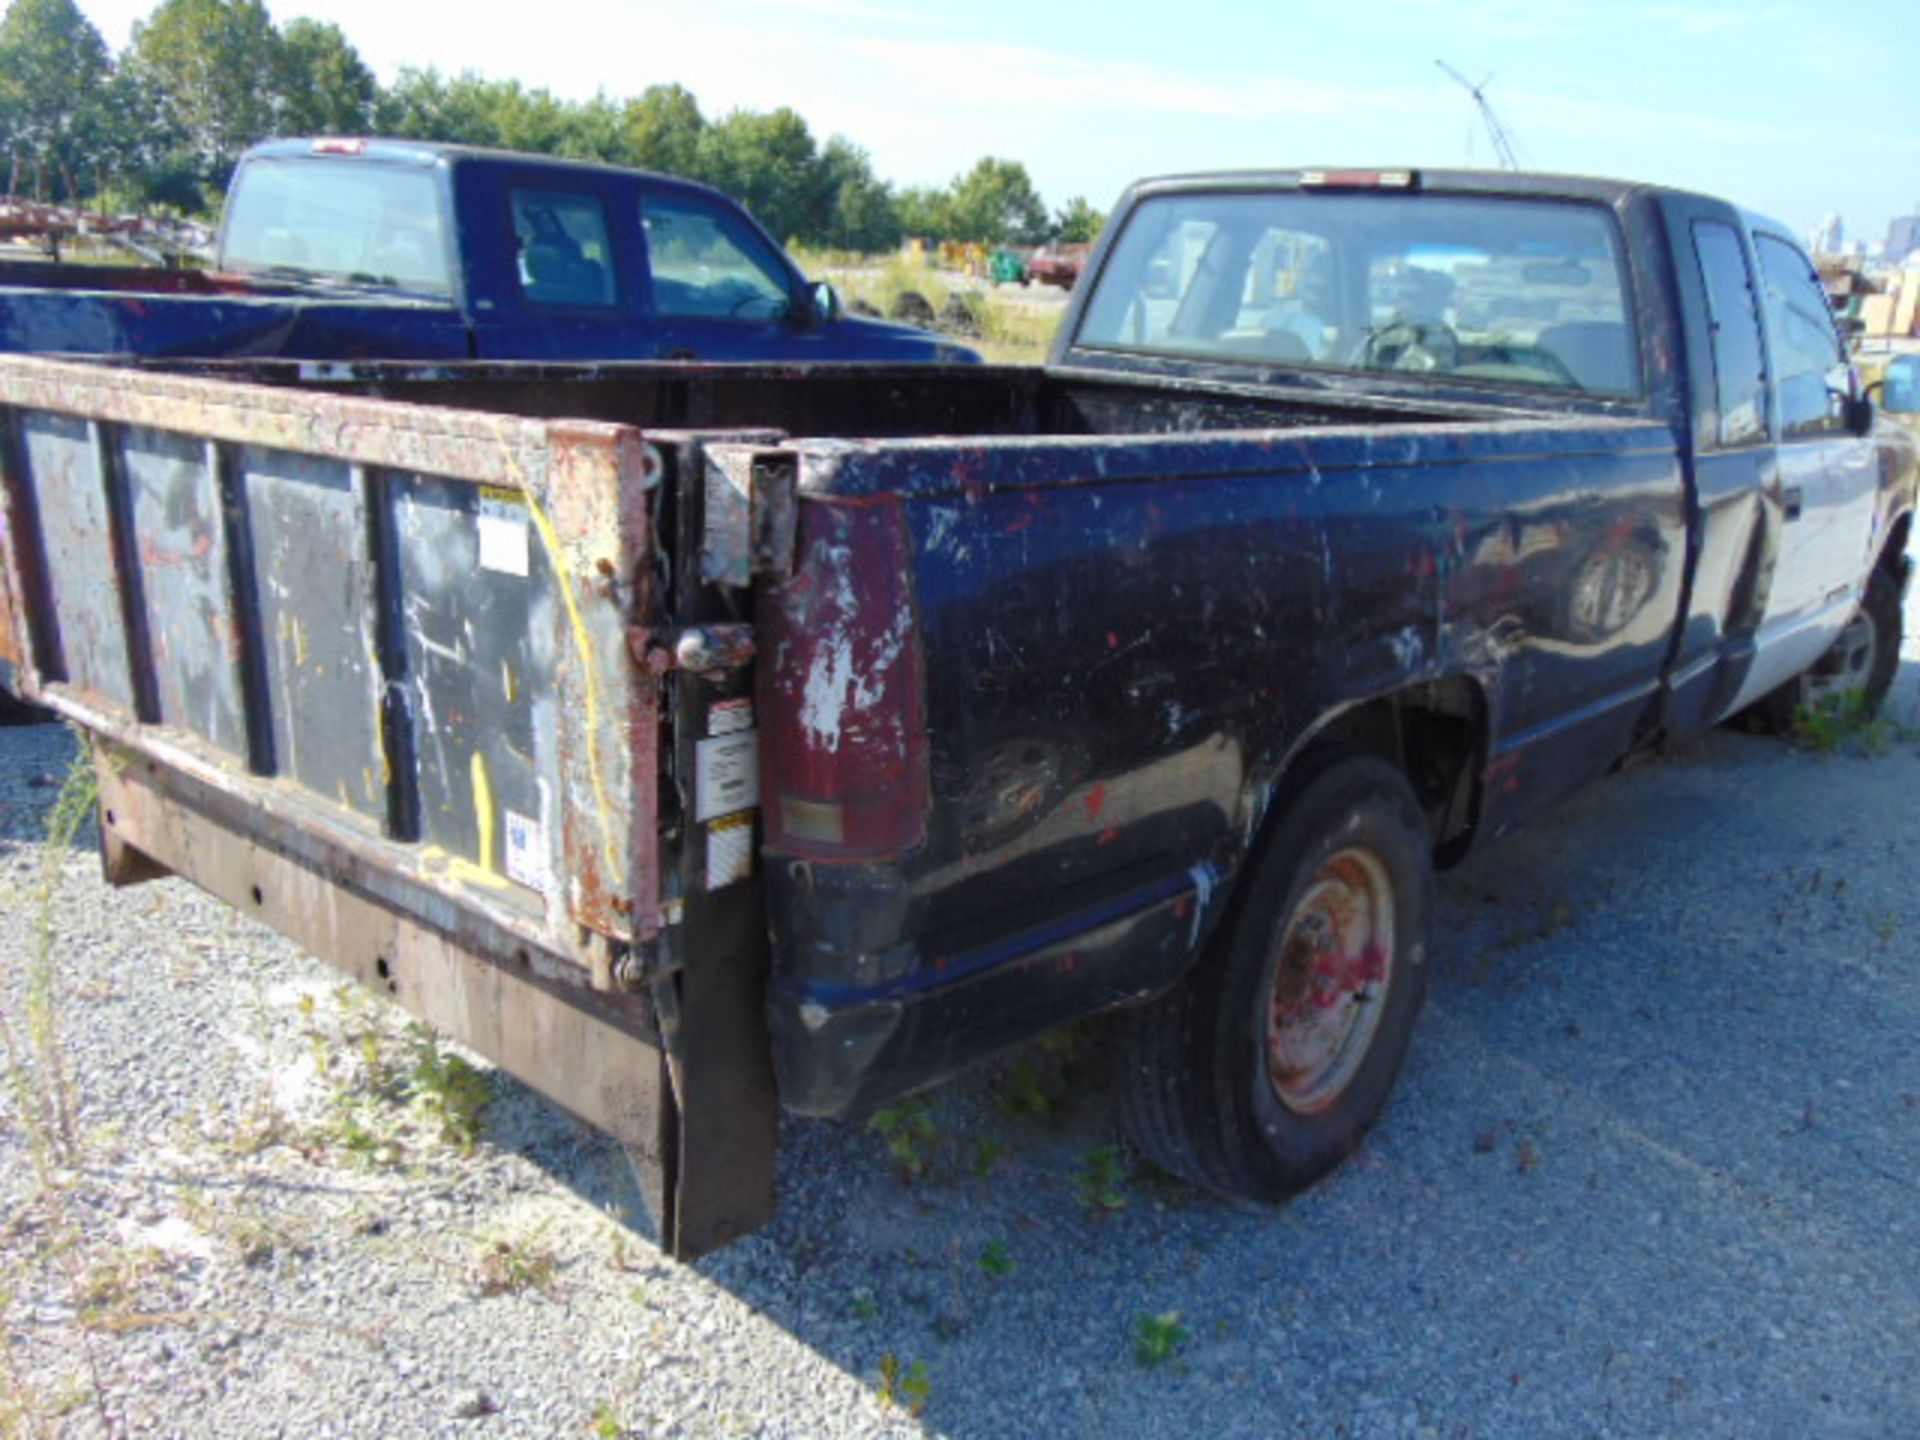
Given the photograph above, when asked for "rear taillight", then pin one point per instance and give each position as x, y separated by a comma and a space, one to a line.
843, 741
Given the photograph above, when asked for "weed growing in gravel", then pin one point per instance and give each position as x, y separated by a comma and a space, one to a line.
448, 1088
911, 1135
606, 1423
865, 1306
905, 1385
1037, 1084
388, 1085
1101, 1179
510, 1267
1158, 1338
987, 1155
995, 1262
1838, 722
36, 1065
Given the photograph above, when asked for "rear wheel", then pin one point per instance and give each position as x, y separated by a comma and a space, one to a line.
1856, 674
1263, 1070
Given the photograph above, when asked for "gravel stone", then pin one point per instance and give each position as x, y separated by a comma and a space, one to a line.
1651, 1169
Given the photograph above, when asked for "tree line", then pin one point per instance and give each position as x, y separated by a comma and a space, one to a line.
162, 124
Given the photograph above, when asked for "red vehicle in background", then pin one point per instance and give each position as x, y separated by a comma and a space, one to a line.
1057, 265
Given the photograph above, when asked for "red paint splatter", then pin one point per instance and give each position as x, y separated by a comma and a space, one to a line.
1096, 801
1113, 641
1109, 835
1183, 910
1025, 522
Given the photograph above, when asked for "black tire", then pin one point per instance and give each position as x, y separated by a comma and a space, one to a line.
1861, 663
1204, 1097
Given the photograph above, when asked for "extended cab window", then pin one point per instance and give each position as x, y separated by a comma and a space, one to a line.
360, 222
707, 265
561, 241
1808, 363
1738, 371
1511, 291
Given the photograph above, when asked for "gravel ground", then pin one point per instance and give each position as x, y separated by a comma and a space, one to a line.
1651, 1170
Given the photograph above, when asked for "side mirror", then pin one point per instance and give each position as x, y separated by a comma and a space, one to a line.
1859, 413
1900, 387
826, 303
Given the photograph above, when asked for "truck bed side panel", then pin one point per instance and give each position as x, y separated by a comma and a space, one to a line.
1125, 642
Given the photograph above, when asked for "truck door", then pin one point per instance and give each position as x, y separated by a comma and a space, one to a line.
555, 273
1828, 474
718, 290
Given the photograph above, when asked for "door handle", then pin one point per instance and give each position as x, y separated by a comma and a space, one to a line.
1793, 500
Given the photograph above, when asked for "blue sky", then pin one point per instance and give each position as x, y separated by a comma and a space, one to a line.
1795, 110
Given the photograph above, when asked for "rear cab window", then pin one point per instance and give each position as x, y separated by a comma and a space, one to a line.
561, 249
1514, 291
363, 223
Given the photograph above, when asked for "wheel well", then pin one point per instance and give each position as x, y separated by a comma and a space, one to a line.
1896, 546
1436, 734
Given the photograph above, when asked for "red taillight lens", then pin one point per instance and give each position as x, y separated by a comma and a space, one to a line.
843, 740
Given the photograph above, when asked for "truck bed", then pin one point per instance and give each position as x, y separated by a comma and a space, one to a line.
450, 674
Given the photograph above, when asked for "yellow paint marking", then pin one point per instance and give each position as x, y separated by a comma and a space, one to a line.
550, 542
483, 809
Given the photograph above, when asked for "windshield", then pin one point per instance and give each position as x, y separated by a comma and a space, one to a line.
1511, 291
355, 221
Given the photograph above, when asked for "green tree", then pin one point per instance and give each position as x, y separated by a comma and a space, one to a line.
324, 88
995, 202
209, 81
1077, 222
661, 130
860, 213
768, 162
426, 105
55, 95
924, 212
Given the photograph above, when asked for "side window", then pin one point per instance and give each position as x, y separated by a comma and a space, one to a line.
1731, 308
1808, 362
708, 266
561, 240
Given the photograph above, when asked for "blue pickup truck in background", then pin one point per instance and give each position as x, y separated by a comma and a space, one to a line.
372, 249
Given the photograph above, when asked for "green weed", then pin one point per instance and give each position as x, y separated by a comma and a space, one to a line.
905, 1385
994, 1261
1100, 1179
606, 1423
37, 1073
1158, 1338
511, 1267
1838, 722
450, 1090
910, 1134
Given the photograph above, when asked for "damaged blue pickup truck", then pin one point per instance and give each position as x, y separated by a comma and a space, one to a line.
343, 249
695, 741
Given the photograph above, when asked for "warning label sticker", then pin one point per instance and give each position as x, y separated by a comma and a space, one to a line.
729, 851
729, 717
504, 547
728, 775
527, 860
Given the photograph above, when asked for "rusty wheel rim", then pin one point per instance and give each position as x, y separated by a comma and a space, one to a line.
1330, 979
